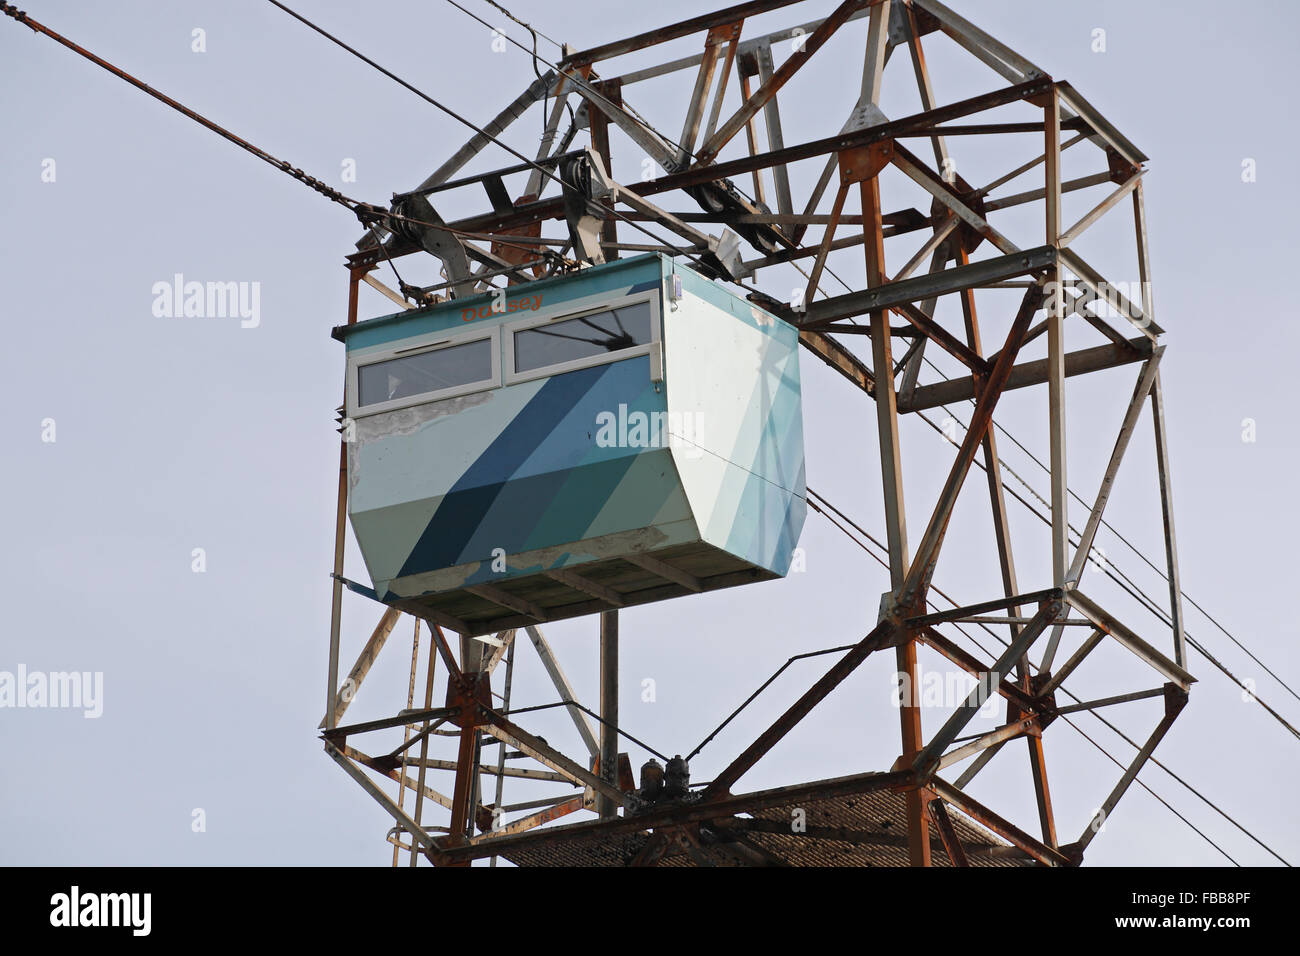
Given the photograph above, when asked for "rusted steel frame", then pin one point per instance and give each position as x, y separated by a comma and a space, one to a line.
499, 727
608, 760
768, 89
411, 717
363, 664
1003, 828
989, 129
751, 140
1091, 279
941, 232
882, 635
1057, 678
947, 833
418, 833
394, 297
895, 331
498, 653
772, 125
923, 85
814, 277
1112, 701
978, 764
1167, 512
1026, 374
1105, 621
1026, 167
545, 802
1034, 195
553, 208
1042, 792
919, 573
700, 95
839, 358
699, 240
433, 729
927, 761
1009, 731
972, 610
912, 738
1102, 127
540, 818
1140, 392
340, 532
436, 621
424, 736
1162, 445
994, 53
934, 184
863, 167
943, 338
912, 373
1143, 254
877, 55
728, 61
535, 91
1099, 210
720, 809
744, 48
560, 98
463, 790
562, 686
1175, 700
520, 772
599, 123
1055, 302
1014, 693
673, 31
1007, 569
992, 464
406, 731
384, 766
943, 282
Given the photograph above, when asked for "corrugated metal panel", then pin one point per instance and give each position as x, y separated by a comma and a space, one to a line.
877, 823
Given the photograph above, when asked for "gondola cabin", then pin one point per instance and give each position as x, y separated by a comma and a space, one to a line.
619, 435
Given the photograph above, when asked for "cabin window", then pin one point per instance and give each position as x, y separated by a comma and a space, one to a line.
583, 340
426, 373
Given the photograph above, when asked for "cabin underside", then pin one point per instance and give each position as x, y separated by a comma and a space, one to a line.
589, 588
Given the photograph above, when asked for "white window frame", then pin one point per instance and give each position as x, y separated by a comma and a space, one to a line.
432, 342
653, 348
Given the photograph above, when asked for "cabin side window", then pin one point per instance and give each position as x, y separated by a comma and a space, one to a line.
564, 344
426, 373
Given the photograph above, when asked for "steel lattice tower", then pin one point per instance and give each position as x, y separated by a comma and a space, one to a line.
913, 259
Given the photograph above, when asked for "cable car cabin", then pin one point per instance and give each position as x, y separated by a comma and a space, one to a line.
624, 434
